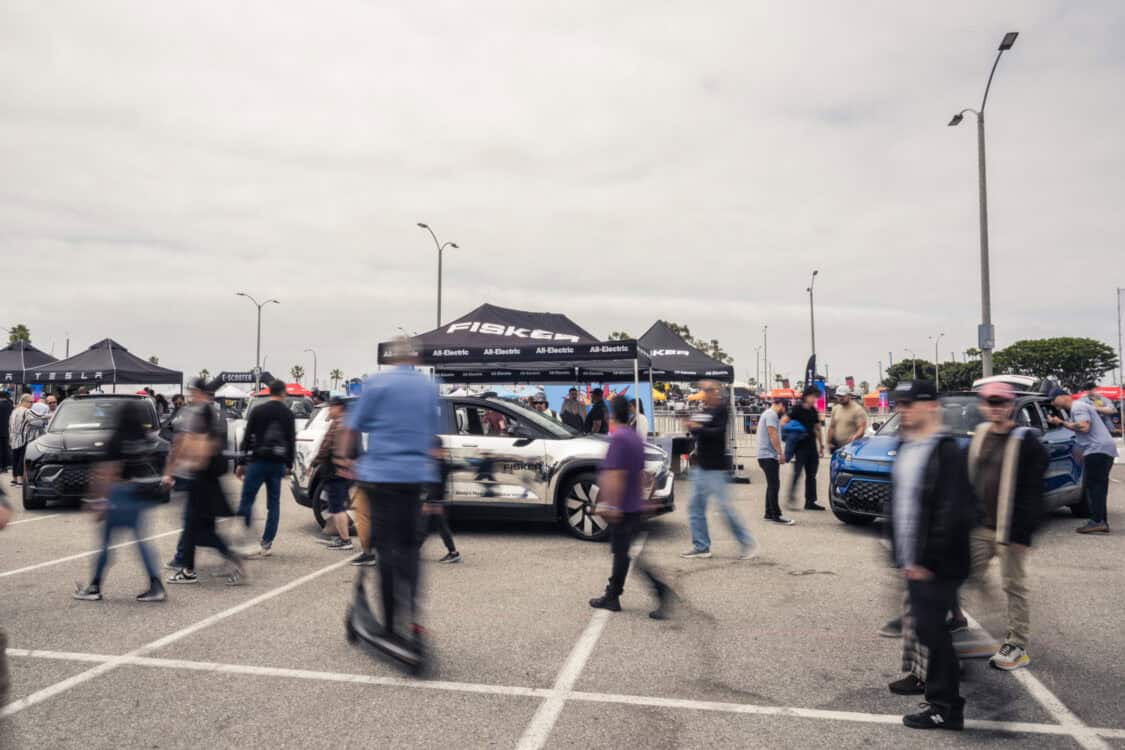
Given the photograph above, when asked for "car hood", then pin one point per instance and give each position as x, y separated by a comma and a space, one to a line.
870, 453
78, 440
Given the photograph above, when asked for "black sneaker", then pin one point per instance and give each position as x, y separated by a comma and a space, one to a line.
366, 560
664, 608
155, 592
909, 685
183, 575
783, 520
892, 628
341, 544
932, 717
814, 506
606, 601
174, 564
452, 557
88, 593
957, 624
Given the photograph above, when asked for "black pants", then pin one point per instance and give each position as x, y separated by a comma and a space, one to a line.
395, 521
1098, 466
205, 499
621, 536
17, 462
772, 470
440, 523
805, 459
5, 454
930, 602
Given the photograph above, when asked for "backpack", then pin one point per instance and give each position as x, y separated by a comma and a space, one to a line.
273, 445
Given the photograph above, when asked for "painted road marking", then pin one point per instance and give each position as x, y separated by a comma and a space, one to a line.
36, 518
81, 555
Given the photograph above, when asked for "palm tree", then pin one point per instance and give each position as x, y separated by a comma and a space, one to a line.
19, 332
297, 372
154, 359
205, 373
336, 376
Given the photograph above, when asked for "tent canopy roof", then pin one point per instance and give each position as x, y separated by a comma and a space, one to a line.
104, 362
19, 356
674, 359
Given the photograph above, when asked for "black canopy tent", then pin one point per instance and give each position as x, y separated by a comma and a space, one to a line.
500, 345
674, 359
104, 363
245, 377
19, 357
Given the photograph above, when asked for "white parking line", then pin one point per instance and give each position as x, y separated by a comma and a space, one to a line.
1082, 734
535, 736
80, 555
36, 518
816, 714
116, 661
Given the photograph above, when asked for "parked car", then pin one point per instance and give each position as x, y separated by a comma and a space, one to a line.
508, 461
860, 472
301, 407
61, 462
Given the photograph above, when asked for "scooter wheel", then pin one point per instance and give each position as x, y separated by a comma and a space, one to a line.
350, 632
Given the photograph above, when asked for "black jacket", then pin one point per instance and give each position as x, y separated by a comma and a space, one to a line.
271, 434
6, 407
947, 514
711, 439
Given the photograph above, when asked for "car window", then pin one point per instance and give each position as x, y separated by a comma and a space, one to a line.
481, 420
93, 414
319, 417
1030, 416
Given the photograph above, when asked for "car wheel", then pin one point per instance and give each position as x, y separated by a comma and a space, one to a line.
579, 498
853, 519
1080, 509
31, 501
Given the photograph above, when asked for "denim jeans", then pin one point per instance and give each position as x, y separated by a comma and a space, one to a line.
257, 474
705, 484
125, 511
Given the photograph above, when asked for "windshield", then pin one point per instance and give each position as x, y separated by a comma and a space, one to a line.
556, 429
959, 414
301, 407
92, 414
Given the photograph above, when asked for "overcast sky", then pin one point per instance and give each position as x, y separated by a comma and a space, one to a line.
616, 162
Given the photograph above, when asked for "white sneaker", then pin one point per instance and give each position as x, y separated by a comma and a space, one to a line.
263, 550
751, 550
1009, 658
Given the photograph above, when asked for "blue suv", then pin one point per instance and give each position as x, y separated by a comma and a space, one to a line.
860, 472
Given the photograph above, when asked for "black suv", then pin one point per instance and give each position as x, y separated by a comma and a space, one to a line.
61, 462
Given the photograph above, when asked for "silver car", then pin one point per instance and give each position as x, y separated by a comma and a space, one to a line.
509, 461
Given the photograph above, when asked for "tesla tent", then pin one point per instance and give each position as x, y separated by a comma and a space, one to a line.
104, 363
500, 345
675, 360
18, 358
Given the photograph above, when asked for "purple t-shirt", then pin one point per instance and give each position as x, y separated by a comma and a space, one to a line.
627, 453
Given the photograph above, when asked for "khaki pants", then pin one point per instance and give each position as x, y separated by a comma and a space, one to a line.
361, 510
1013, 576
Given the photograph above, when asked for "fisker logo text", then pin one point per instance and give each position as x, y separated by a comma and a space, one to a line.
496, 329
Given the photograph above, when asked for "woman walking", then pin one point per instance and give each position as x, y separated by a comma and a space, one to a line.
16, 427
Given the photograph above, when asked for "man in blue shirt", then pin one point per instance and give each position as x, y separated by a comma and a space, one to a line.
398, 412
1098, 452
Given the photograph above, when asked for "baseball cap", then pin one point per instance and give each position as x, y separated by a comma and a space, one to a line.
996, 392
843, 391
909, 391
198, 384
337, 401
1055, 391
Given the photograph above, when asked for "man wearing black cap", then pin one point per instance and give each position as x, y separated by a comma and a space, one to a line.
1098, 452
932, 512
806, 457
597, 421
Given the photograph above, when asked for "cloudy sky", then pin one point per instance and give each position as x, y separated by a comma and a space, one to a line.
617, 162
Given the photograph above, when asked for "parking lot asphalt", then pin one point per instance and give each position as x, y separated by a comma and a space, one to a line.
780, 651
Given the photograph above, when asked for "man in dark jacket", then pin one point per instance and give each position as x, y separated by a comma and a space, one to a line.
268, 448
932, 513
809, 449
597, 421
1006, 466
5, 415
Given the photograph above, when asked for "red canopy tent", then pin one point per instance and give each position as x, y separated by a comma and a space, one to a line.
291, 389
786, 393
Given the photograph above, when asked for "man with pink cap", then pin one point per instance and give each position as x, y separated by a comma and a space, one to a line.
1006, 467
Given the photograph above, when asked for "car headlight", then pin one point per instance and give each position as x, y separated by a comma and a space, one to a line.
845, 455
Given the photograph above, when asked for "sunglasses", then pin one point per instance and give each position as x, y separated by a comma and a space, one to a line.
997, 401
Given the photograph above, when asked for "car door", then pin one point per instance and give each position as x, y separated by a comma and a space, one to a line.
1062, 484
497, 458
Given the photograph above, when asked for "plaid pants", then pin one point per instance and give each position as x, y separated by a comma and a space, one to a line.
915, 657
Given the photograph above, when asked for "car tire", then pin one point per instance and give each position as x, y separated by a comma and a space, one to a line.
579, 495
1080, 509
853, 519
30, 500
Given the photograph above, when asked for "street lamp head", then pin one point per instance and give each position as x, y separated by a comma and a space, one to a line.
241, 294
454, 245
957, 118
814, 273
423, 226
275, 301
1008, 40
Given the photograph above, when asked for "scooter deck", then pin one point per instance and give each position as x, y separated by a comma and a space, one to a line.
361, 625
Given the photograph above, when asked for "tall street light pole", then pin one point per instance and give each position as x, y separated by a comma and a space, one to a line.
937, 376
758, 365
313, 352
258, 348
812, 320
914, 359
766, 355
440, 251
1120, 366
986, 335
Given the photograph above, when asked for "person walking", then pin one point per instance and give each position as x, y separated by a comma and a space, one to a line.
621, 502
1098, 452
770, 452
711, 474
434, 510
198, 451
334, 484
128, 454
573, 413
6, 408
266, 456
17, 423
398, 412
638, 421
931, 514
1006, 467
809, 450
597, 420
847, 422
